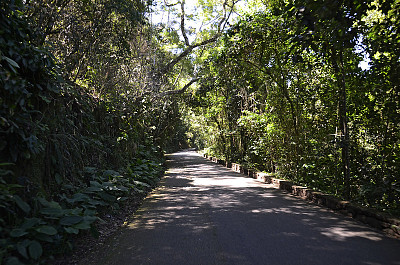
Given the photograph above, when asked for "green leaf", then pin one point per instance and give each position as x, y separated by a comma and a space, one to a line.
29, 223
35, 250
95, 184
93, 189
46, 229
53, 212
21, 204
22, 250
71, 220
90, 170
138, 190
71, 230
95, 203
43, 201
110, 173
69, 187
90, 219
73, 212
79, 197
45, 99
107, 197
18, 232
13, 261
141, 183
6, 164
121, 199
90, 212
53, 204
58, 178
11, 62
82, 226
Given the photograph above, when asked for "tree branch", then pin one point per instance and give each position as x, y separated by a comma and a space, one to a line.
183, 24
179, 91
221, 25
188, 50
170, 5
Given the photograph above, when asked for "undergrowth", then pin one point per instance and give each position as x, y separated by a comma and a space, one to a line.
33, 231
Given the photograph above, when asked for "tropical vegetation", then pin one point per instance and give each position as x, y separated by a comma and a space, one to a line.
94, 92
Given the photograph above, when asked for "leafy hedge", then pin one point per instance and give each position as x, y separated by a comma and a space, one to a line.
34, 231
28, 82
66, 157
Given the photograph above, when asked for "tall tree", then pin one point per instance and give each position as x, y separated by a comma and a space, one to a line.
332, 29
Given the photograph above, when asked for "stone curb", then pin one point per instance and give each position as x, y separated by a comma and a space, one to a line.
382, 221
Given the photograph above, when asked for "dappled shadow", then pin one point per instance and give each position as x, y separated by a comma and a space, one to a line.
203, 213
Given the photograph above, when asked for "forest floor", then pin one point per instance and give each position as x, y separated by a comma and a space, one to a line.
203, 213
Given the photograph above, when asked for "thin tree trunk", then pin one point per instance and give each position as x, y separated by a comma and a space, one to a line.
344, 128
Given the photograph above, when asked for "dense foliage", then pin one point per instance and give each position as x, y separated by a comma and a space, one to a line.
291, 97
82, 123
92, 94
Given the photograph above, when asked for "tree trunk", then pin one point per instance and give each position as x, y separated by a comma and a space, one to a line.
344, 128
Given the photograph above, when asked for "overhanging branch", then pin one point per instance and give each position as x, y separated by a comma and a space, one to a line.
190, 47
187, 51
179, 91
183, 24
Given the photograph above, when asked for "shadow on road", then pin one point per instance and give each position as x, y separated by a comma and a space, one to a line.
203, 213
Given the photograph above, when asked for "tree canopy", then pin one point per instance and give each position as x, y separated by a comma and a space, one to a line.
94, 92
283, 92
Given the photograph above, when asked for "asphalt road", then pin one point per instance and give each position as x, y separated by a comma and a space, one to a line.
203, 213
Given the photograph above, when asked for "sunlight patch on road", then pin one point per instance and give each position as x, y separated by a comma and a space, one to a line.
342, 234
174, 170
286, 210
226, 182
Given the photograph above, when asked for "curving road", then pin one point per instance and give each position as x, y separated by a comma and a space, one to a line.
203, 213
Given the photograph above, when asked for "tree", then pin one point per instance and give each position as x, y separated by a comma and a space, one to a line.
300, 97
330, 29
216, 14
